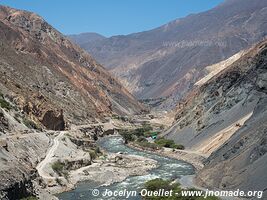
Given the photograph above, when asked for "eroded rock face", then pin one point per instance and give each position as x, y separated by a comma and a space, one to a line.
18, 190
53, 121
44, 73
226, 120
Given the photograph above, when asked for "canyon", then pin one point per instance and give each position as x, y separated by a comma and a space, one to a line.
201, 81
161, 65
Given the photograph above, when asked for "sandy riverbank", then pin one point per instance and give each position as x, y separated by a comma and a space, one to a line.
106, 170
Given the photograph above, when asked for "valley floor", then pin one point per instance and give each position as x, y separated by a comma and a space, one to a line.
71, 156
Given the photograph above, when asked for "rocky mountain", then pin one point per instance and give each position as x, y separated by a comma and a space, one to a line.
51, 80
225, 120
49, 84
165, 62
84, 39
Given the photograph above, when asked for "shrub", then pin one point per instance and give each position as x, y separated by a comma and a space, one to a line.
138, 132
165, 142
30, 124
146, 127
149, 145
58, 167
97, 150
179, 146
128, 137
4, 104
93, 155
168, 143
159, 183
132, 135
142, 139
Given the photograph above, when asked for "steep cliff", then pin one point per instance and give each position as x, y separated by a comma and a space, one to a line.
225, 119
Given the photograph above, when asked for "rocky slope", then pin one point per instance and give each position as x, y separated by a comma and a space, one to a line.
47, 82
225, 119
167, 61
52, 80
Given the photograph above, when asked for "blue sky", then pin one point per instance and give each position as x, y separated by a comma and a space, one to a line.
110, 17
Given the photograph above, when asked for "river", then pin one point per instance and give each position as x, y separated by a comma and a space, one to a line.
168, 169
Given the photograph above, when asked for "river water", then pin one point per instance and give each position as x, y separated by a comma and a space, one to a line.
168, 169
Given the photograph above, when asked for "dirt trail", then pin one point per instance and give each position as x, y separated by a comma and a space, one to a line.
40, 167
56, 141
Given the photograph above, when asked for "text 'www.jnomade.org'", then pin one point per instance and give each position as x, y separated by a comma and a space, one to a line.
184, 193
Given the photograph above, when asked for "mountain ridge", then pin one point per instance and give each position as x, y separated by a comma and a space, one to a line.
168, 60
64, 77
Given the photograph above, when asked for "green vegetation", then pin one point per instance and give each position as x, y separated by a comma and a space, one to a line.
152, 134
3, 103
122, 118
30, 124
146, 127
133, 135
139, 136
158, 183
167, 185
168, 143
97, 150
141, 139
149, 145
94, 153
58, 167
127, 136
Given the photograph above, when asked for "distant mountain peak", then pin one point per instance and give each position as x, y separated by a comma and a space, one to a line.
156, 63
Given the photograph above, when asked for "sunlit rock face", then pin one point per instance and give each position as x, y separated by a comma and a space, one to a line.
225, 119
